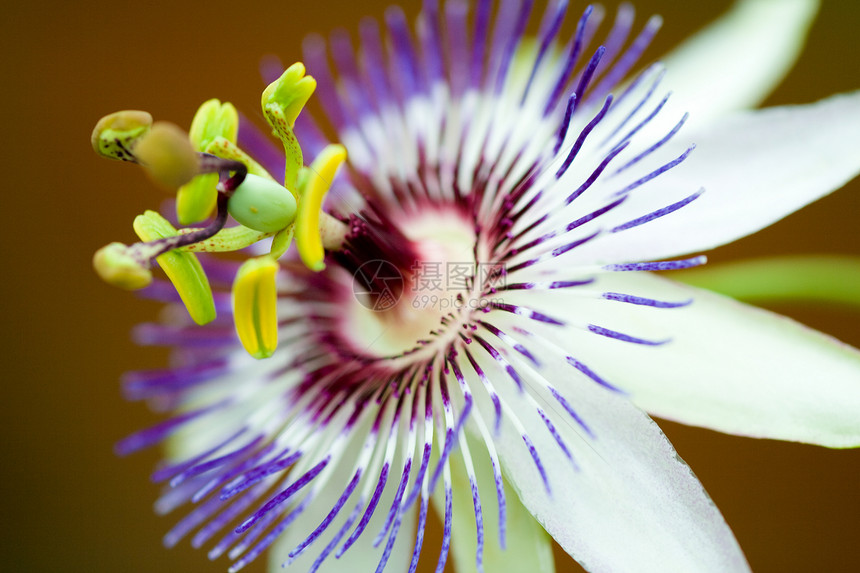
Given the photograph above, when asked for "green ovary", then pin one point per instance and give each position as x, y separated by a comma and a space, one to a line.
262, 205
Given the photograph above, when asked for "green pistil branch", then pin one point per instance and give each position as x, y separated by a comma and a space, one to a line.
211, 174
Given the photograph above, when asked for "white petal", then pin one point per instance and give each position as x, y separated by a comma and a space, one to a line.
630, 503
730, 367
755, 167
737, 61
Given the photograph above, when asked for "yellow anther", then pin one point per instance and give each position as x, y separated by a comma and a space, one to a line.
117, 267
182, 268
282, 101
255, 302
167, 154
196, 199
116, 135
308, 238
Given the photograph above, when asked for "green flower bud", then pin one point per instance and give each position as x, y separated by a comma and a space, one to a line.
262, 205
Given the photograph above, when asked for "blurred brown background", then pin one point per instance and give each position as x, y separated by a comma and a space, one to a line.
68, 503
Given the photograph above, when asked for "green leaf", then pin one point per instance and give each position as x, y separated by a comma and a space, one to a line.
810, 278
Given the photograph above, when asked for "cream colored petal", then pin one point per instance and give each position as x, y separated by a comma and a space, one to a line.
736, 61
730, 367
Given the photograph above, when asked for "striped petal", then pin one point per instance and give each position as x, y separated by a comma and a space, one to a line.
622, 500
755, 168
729, 367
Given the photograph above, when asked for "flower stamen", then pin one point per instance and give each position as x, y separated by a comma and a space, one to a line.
254, 302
